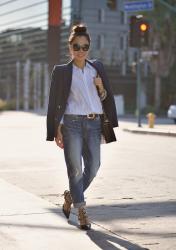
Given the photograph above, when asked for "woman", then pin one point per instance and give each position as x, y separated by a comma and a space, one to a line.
79, 94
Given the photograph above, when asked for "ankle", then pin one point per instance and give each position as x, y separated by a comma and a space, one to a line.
82, 207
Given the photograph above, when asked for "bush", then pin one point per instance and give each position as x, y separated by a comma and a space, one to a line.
10, 105
3, 105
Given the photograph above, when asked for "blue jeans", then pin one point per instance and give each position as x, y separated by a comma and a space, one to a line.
82, 138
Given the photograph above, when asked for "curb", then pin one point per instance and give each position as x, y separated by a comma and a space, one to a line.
137, 131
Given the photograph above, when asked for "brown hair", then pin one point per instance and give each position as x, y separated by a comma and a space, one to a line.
78, 30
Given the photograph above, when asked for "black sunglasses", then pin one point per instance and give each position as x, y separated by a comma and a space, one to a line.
78, 47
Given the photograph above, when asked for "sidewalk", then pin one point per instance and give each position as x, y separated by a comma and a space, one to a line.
35, 224
163, 127
151, 131
131, 203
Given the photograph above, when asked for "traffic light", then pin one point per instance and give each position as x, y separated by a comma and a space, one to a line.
111, 4
139, 32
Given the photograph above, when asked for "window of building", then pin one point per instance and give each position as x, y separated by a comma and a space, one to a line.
15, 38
101, 15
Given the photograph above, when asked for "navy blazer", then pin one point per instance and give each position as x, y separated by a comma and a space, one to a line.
61, 79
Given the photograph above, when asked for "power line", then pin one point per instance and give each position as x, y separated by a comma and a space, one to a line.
31, 39
29, 23
23, 25
11, 1
23, 8
22, 19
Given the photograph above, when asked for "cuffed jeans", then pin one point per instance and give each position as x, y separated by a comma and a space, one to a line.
82, 138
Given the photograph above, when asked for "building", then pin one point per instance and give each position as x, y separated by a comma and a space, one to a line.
108, 27
106, 24
19, 45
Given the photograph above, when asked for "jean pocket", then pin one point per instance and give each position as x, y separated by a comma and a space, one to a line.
71, 122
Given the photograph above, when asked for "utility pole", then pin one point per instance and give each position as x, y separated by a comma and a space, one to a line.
139, 86
46, 87
139, 38
17, 85
39, 71
37, 86
26, 72
54, 22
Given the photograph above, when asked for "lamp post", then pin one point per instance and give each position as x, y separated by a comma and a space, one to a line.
139, 87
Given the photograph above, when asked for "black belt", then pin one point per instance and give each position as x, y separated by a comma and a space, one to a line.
89, 116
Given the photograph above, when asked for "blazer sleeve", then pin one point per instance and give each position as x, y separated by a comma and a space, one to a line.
51, 107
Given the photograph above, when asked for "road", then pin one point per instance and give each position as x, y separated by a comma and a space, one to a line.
134, 194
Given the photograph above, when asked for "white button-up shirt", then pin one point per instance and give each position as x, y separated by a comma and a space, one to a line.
83, 98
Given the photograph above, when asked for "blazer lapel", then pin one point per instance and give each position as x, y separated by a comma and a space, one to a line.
95, 65
67, 78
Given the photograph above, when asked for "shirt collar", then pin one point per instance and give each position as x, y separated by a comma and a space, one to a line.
87, 65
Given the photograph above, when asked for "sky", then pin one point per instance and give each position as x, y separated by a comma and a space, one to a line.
37, 15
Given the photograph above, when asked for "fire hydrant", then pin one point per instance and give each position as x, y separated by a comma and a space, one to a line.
151, 119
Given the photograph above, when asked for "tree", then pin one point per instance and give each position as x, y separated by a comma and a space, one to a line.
163, 40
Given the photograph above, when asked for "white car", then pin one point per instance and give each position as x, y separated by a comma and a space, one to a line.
171, 113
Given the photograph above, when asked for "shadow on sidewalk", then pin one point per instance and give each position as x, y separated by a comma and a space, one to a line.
133, 210
103, 238
127, 211
106, 241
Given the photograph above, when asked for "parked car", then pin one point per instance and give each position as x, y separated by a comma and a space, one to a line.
171, 113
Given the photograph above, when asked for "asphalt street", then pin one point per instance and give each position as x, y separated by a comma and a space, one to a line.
132, 197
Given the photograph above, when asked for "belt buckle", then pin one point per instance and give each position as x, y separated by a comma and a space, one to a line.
91, 116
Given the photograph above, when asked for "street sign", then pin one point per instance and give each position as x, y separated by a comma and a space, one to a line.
147, 55
135, 6
150, 53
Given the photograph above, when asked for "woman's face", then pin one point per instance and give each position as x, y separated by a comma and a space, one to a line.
79, 48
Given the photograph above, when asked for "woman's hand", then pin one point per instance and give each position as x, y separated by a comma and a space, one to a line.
99, 84
59, 137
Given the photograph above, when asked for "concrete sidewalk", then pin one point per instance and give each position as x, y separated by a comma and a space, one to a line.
163, 127
131, 204
28, 222
151, 131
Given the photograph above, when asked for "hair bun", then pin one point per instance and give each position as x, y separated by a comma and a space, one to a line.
79, 29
